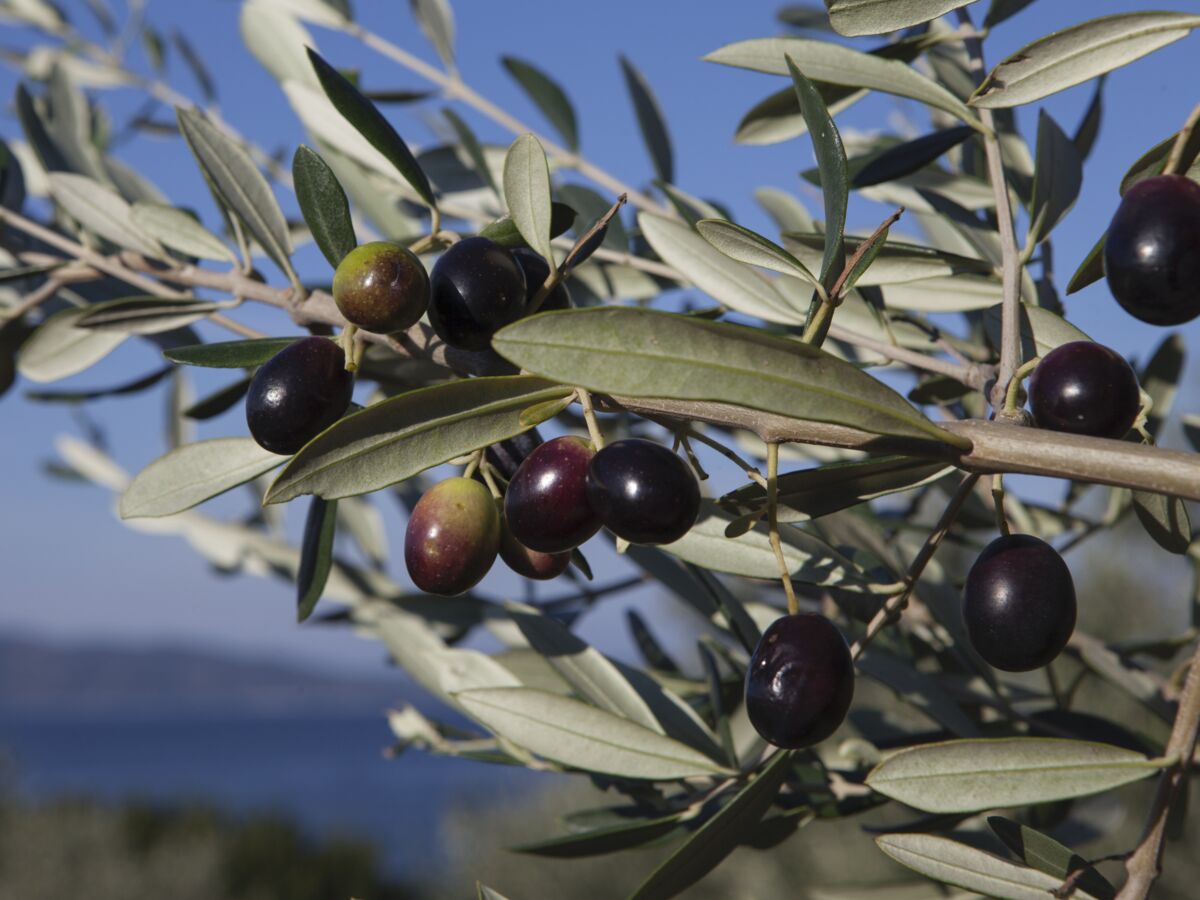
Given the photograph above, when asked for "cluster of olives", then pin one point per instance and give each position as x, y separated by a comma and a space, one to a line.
559, 495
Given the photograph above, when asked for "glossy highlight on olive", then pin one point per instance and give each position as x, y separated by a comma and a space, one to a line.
453, 537
643, 492
297, 394
1084, 388
800, 682
546, 503
1019, 603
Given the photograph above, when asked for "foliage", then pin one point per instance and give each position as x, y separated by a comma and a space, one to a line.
812, 357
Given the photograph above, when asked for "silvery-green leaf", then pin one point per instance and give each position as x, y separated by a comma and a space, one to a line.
897, 261
809, 559
963, 866
180, 231
643, 353
333, 131
753, 249
324, 205
277, 41
330, 13
589, 672
371, 124
241, 185
194, 473
575, 734
833, 63
474, 150
483, 892
504, 231
787, 212
691, 207
973, 775
1165, 519
132, 185
1041, 330
962, 293
147, 315
1047, 855
614, 282
38, 13
548, 96
651, 121
728, 282
316, 555
59, 348
858, 17
102, 211
527, 193
811, 493
1002, 10
437, 22
229, 354
1057, 178
1085, 135
83, 396
393, 440
1077, 54
719, 836
831, 164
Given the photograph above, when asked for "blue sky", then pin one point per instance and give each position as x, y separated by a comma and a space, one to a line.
72, 572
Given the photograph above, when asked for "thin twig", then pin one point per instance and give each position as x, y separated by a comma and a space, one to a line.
1010, 310
892, 608
33, 299
1175, 164
793, 605
1145, 863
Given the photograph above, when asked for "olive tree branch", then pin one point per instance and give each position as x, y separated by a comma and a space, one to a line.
455, 88
894, 605
1145, 863
1010, 310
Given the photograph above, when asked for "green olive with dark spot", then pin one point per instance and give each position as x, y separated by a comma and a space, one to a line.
381, 287
453, 537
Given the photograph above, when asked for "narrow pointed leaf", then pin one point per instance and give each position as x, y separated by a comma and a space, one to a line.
724, 279
1090, 270
370, 123
1165, 519
60, 348
600, 841
195, 63
218, 402
719, 836
180, 231
753, 249
437, 22
1089, 126
974, 775
853, 18
948, 861
1159, 378
324, 205
474, 150
147, 315
911, 156
130, 387
823, 61
650, 121
241, 186
1077, 54
194, 473
229, 354
1047, 855
811, 493
547, 96
100, 210
1003, 10
591, 207
1041, 330
527, 192
642, 353
831, 163
393, 440
1057, 178
316, 555
575, 734
505, 233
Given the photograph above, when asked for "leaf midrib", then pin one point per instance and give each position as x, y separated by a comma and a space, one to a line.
962, 868
923, 776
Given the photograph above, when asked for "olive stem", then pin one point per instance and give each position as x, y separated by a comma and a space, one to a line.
998, 503
1010, 309
751, 471
1013, 394
893, 606
476, 459
793, 605
589, 416
1175, 163
346, 342
686, 444
551, 282
485, 470
1055, 688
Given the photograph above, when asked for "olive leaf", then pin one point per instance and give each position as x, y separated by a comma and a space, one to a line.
650, 120
853, 18
527, 192
546, 94
316, 555
323, 204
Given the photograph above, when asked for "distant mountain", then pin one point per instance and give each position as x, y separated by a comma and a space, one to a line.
40, 678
